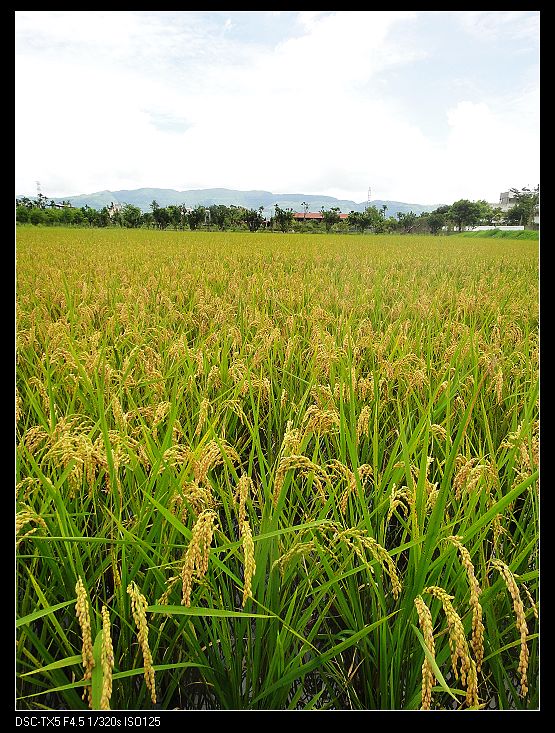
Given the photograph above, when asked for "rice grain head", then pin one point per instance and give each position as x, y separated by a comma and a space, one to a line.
363, 473
195, 563
360, 541
426, 625
139, 605
477, 641
291, 440
170, 583
241, 495
306, 468
87, 657
23, 517
249, 562
320, 421
403, 499
212, 455
363, 422
457, 644
297, 549
521, 625
107, 661
499, 386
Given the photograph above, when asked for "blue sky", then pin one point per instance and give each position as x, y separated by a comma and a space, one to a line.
420, 106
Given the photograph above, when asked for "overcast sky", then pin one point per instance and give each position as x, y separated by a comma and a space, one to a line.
422, 107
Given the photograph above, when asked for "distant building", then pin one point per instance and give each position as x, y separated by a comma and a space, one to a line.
507, 201
114, 209
313, 216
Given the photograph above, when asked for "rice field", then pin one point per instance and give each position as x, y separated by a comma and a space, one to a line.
276, 471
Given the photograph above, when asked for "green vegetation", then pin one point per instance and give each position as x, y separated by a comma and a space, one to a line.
276, 471
502, 234
459, 215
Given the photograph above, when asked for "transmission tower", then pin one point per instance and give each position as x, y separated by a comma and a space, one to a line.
369, 197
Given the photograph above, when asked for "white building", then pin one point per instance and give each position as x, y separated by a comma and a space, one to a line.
506, 202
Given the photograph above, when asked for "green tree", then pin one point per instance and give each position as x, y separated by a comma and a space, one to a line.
41, 201
37, 216
331, 216
465, 213
526, 207
219, 215
487, 212
236, 216
103, 217
131, 216
22, 213
175, 216
283, 218
389, 225
160, 215
359, 220
436, 221
407, 221
377, 218
147, 220
90, 215
253, 218
196, 217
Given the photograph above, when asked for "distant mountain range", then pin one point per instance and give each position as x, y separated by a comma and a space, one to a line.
143, 197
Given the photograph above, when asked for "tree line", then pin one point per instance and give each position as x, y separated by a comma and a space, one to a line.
455, 217
48, 212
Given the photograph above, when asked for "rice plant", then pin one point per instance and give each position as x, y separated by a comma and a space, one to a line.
276, 471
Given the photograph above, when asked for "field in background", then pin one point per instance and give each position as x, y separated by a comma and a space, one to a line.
529, 234
276, 471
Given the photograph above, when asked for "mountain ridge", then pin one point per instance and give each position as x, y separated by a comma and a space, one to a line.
250, 199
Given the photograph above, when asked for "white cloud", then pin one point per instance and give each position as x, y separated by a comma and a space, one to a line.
493, 25
171, 100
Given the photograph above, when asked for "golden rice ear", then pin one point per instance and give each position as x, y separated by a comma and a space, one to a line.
521, 625
139, 605
477, 641
306, 467
195, 563
426, 625
83, 615
360, 541
24, 517
320, 421
244, 485
458, 645
107, 661
202, 416
363, 422
249, 564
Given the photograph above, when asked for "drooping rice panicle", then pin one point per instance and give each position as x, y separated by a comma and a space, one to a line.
139, 605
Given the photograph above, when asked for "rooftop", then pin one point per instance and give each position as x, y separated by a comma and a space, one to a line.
314, 215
